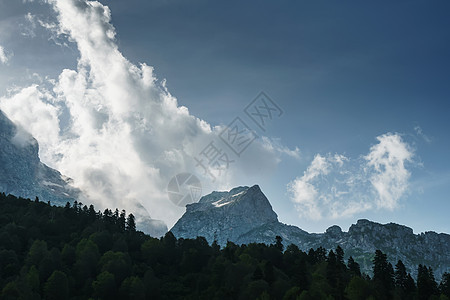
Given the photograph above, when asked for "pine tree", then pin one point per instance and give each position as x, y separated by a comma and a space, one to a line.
383, 275
426, 284
122, 220
92, 214
400, 279
332, 271
353, 267
279, 243
444, 287
340, 256
131, 223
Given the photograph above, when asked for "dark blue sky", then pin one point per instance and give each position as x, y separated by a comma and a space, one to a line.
381, 66
344, 72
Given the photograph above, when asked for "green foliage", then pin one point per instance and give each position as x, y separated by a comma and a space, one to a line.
57, 287
358, 289
104, 286
74, 252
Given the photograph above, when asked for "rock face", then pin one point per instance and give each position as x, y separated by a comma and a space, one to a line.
244, 215
21, 171
226, 215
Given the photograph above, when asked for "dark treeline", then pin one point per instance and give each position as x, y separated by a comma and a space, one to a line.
74, 252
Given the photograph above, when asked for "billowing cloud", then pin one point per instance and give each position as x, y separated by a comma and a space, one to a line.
335, 186
114, 128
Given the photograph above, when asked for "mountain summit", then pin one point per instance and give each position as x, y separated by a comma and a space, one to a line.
244, 215
226, 216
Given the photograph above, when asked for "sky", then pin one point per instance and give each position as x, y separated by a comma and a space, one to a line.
341, 108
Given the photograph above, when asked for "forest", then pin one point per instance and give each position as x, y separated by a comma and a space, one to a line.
76, 252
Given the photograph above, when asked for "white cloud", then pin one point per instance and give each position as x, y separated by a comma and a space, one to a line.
335, 186
4, 56
389, 175
27, 107
114, 128
275, 146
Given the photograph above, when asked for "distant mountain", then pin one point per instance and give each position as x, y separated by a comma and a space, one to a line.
21, 171
244, 215
23, 174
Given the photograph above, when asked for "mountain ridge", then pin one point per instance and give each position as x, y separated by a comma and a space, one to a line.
218, 217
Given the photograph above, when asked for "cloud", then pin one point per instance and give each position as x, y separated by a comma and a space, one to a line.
386, 164
335, 186
275, 146
4, 56
420, 133
115, 129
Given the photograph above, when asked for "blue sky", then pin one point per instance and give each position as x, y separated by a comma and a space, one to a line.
344, 74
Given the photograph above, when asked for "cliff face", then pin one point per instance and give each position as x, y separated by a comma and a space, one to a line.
244, 215
21, 171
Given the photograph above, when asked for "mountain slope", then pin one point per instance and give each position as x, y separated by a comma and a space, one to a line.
244, 215
23, 174
21, 171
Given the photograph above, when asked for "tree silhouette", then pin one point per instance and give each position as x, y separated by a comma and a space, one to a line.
383, 275
131, 223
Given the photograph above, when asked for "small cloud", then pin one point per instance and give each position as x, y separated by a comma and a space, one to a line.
4, 55
421, 134
29, 27
275, 146
386, 164
335, 186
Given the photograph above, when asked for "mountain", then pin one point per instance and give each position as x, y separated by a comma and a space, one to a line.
21, 171
226, 215
244, 215
23, 174
146, 224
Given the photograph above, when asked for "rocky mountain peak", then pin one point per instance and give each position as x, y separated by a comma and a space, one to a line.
226, 216
334, 231
249, 201
366, 226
